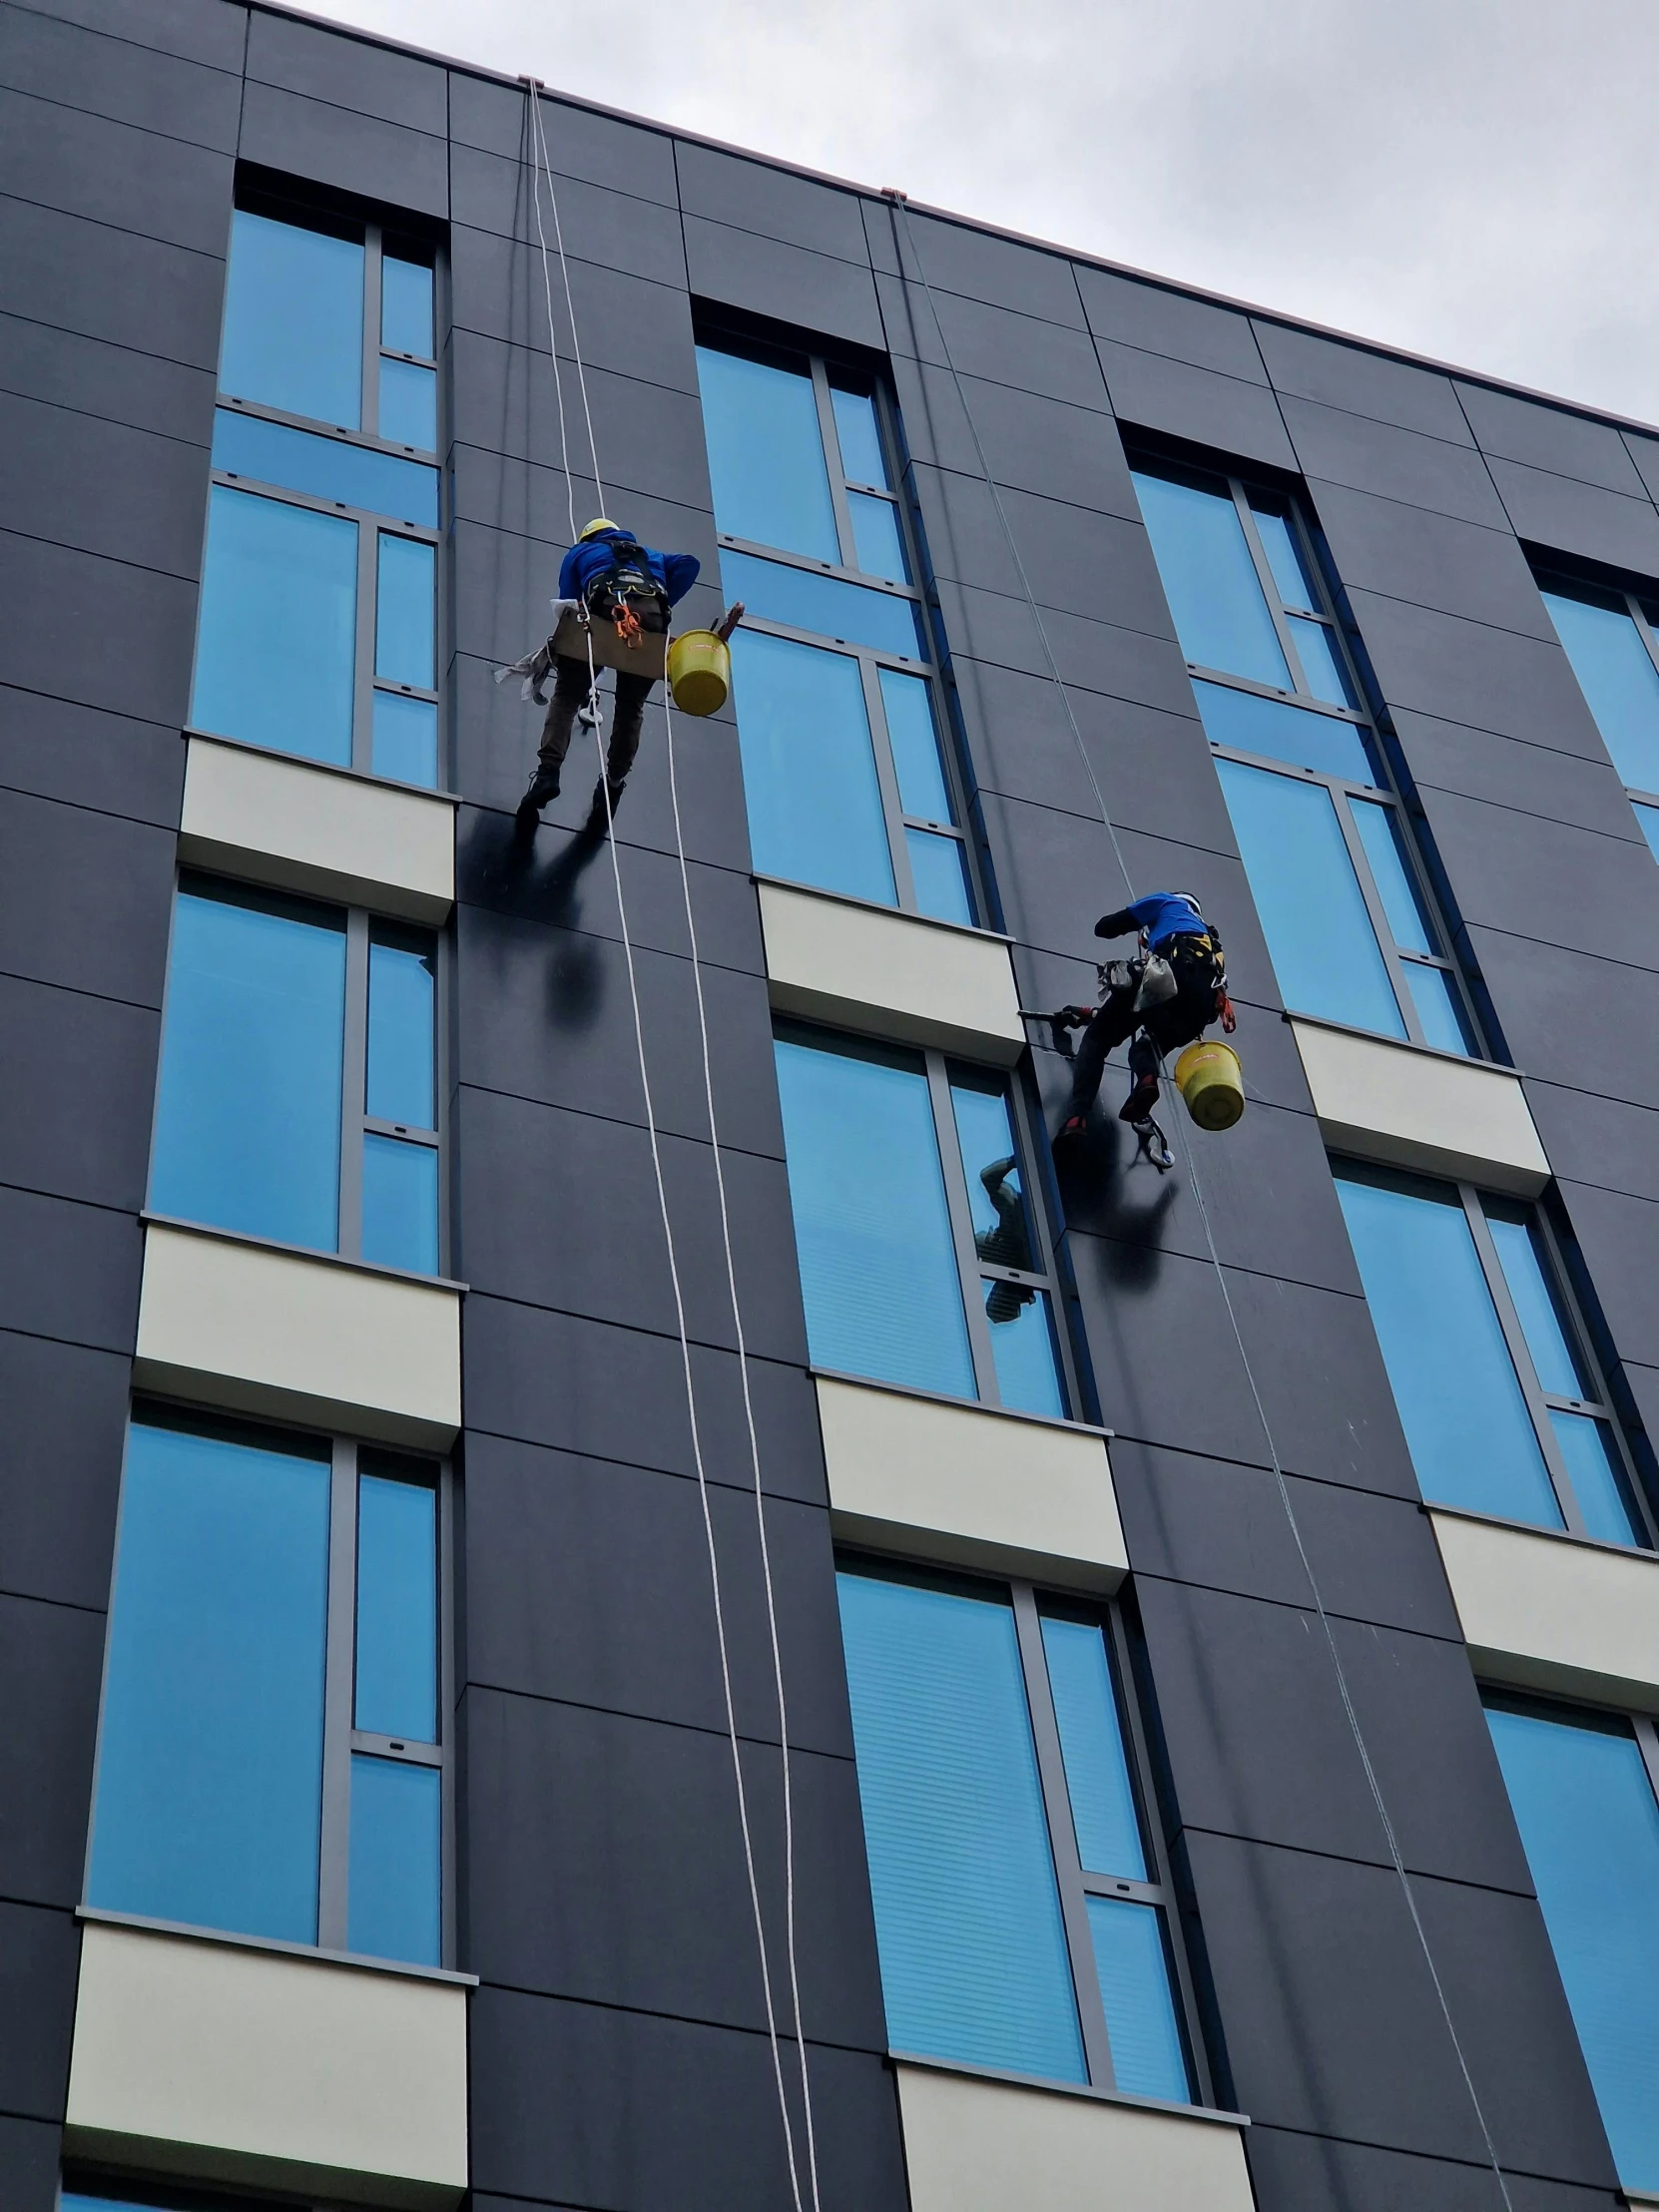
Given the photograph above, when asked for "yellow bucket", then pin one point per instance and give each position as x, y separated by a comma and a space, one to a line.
1211, 1081
698, 673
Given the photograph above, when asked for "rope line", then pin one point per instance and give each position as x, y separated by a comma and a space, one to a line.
898, 201
773, 2033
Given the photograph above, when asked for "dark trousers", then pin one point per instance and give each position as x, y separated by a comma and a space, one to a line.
1176, 1022
569, 688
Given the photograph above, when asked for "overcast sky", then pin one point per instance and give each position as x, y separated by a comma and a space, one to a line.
1469, 179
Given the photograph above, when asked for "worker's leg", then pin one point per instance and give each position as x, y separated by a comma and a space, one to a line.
1165, 1028
1113, 1022
569, 688
627, 721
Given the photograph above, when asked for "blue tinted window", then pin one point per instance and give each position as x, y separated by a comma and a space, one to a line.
1091, 1743
860, 436
808, 768
878, 1273
916, 745
990, 1161
1214, 596
1647, 820
765, 456
248, 1116
1461, 1405
875, 535
1434, 996
1313, 912
1141, 2026
275, 650
1597, 1478
798, 599
210, 1771
1251, 724
402, 986
1322, 664
938, 868
405, 307
1619, 680
1024, 1351
967, 1912
1586, 1813
401, 1204
396, 1892
326, 468
1379, 834
406, 739
293, 320
410, 412
404, 647
1540, 1322
397, 1608
1289, 571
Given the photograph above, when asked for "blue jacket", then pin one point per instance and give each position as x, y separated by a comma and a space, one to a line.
1162, 914
591, 558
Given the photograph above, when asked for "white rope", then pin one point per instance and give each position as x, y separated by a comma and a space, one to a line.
570, 309
1284, 1500
547, 287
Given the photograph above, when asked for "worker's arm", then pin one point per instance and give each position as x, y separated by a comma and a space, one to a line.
570, 573
679, 569
1124, 923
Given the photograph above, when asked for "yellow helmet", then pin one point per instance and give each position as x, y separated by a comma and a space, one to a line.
598, 522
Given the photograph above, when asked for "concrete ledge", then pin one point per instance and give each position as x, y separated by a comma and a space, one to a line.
887, 974
262, 1331
1553, 1613
302, 827
976, 2145
971, 1487
1423, 1111
205, 2060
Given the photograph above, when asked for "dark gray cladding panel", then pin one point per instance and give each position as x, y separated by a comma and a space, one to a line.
57, 750
57, 1131
601, 148
1616, 1233
490, 192
955, 257
136, 180
1236, 418
1251, 1712
1028, 441
1645, 453
1534, 779
1594, 1139
696, 2129
101, 487
94, 631
84, 900
1333, 2026
1155, 321
618, 1393
347, 72
51, 1662
627, 323
1434, 560
66, 1413
979, 339
1098, 655
110, 381
816, 292
127, 83
1469, 672
1544, 437
589, 1581
1569, 516
112, 285
209, 31
1352, 449
532, 502
606, 1863
1308, 366
1314, 2173
40, 1952
29, 2155
69, 1271
354, 153
1224, 1526
1567, 1018
754, 196
1547, 879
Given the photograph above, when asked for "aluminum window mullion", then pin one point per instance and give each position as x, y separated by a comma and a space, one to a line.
1520, 1357
363, 692
830, 439
1590, 1365
887, 776
1229, 681
1385, 936
371, 329
1036, 1212
446, 1707
353, 1085
1268, 584
1062, 1838
961, 1229
780, 557
1644, 629
340, 1668
1647, 1743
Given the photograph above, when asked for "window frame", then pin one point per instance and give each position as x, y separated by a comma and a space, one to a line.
1567, 586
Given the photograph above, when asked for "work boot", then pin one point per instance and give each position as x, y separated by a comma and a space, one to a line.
598, 808
1074, 1127
543, 788
1137, 1107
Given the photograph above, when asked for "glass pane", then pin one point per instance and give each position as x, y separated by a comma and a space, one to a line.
1325, 951
277, 645
1103, 1811
395, 1900
1439, 1010
878, 1270
1379, 834
405, 307
1251, 724
409, 407
1023, 1349
967, 1913
326, 468
876, 537
247, 1109
401, 1204
1540, 1320
1597, 1478
398, 1609
1322, 664
1289, 571
404, 644
938, 866
402, 996
801, 600
293, 320
209, 1773
860, 436
406, 739
1461, 1405
1586, 1813
1647, 819
1619, 683
1141, 2025
1214, 596
766, 455
996, 1199
915, 739
808, 768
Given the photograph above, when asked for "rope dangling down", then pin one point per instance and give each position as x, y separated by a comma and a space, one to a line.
898, 202
545, 166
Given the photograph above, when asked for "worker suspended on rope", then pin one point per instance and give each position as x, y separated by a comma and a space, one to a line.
1167, 996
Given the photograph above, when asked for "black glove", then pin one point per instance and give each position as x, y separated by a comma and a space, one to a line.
1122, 923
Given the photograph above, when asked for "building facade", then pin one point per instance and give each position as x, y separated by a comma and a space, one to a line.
616, 1591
